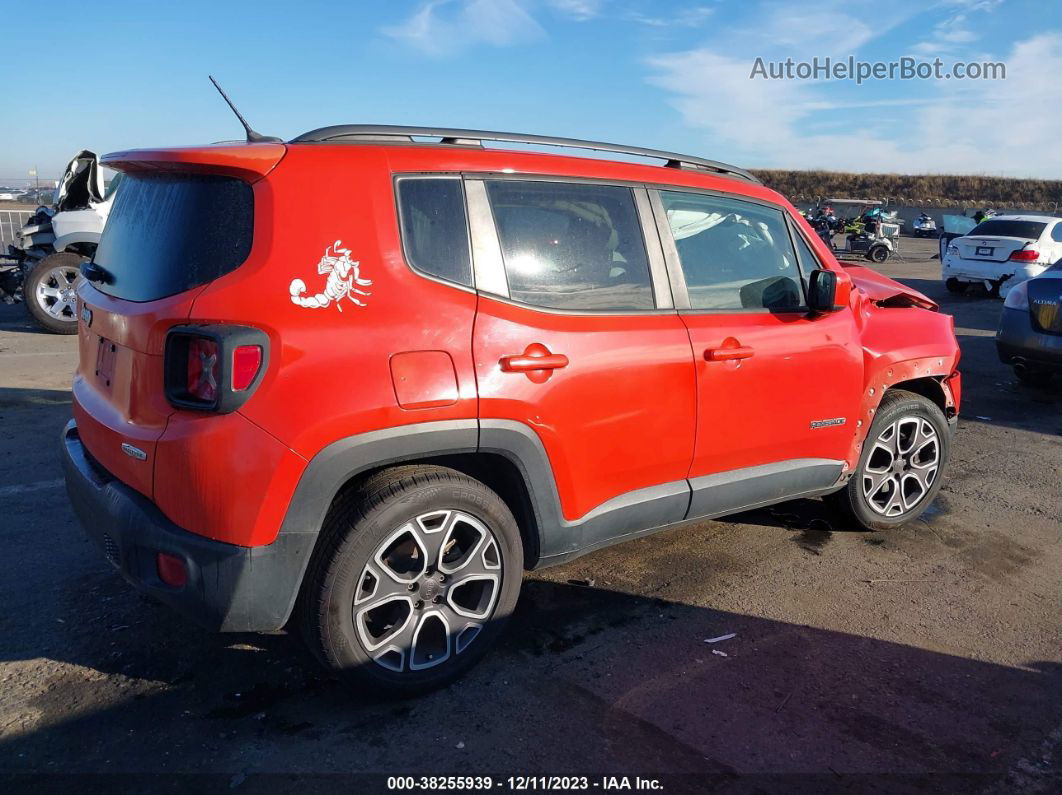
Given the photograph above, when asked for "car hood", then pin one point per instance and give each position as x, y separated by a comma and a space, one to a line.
883, 290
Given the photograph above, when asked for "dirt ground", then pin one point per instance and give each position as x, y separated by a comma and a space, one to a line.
860, 661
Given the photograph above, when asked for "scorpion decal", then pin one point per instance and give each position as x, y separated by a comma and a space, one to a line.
343, 275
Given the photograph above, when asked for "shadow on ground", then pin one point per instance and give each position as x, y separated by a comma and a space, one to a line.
585, 681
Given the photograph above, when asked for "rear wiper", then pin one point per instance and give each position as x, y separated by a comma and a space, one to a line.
95, 273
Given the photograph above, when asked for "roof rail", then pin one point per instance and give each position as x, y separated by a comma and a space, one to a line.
447, 135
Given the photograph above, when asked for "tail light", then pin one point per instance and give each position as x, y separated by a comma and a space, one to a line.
203, 369
214, 368
246, 362
1025, 255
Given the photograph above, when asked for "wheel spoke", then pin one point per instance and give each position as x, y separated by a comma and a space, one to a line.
376, 587
894, 506
465, 548
432, 529
50, 292
383, 622
431, 644
402, 557
906, 436
473, 596
873, 481
911, 497
889, 438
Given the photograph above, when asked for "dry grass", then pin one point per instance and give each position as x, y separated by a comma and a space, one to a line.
931, 190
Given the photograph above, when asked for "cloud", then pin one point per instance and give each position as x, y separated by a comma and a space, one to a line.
445, 27
683, 18
580, 10
1004, 126
948, 36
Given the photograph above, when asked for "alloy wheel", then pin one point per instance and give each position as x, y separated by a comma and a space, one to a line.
57, 292
901, 466
427, 591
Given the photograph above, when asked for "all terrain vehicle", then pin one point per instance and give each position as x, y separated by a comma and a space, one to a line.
408, 366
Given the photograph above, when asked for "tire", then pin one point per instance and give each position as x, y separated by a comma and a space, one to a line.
49, 292
866, 498
1031, 377
954, 286
382, 635
878, 254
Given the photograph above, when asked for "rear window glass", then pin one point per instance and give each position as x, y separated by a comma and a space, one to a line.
434, 229
170, 233
1030, 230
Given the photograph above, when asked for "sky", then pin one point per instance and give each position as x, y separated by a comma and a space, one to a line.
661, 74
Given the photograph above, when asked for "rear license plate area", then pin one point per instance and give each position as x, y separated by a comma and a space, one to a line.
985, 251
105, 358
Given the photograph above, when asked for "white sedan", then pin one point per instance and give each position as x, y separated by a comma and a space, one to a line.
1002, 251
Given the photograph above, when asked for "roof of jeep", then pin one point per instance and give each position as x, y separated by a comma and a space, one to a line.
454, 150
389, 133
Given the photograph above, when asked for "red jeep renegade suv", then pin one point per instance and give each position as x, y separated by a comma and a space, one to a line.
367, 377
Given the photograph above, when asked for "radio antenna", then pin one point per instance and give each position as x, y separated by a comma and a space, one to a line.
252, 136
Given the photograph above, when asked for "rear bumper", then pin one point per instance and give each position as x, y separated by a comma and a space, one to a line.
229, 588
1018, 341
989, 271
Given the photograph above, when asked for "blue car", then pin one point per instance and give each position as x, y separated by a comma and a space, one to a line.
1030, 329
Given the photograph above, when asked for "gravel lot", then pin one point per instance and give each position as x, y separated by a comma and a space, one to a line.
933, 649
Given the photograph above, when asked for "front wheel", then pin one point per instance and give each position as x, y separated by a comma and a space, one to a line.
50, 292
878, 254
420, 571
900, 468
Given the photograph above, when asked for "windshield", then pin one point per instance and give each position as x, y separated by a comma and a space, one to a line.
1000, 227
169, 233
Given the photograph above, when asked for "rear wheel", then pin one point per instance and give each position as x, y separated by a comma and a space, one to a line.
50, 292
953, 285
420, 570
878, 254
900, 468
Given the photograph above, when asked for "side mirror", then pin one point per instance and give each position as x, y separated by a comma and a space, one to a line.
822, 291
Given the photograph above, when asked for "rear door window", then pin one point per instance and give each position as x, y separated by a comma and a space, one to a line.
434, 228
573, 246
1030, 230
169, 233
734, 254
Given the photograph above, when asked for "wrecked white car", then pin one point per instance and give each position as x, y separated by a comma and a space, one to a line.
50, 247
1001, 252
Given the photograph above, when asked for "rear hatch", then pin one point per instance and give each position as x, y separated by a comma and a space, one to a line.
1045, 304
180, 219
996, 240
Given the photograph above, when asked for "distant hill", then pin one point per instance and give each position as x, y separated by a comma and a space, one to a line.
936, 190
